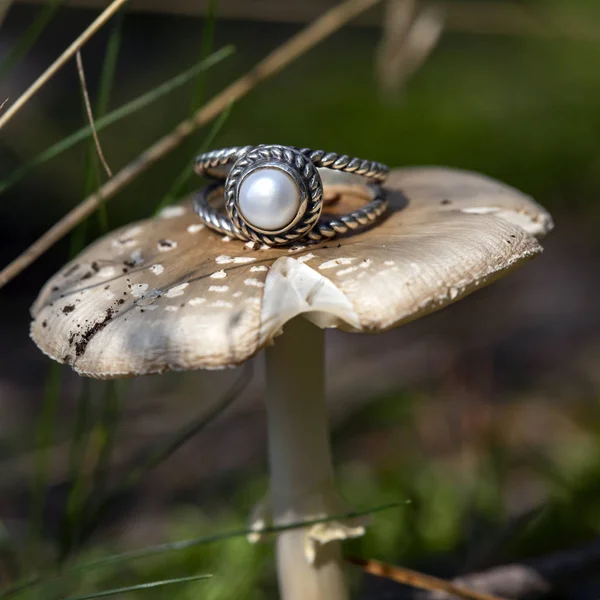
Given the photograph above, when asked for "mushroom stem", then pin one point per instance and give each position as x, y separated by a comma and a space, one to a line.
302, 479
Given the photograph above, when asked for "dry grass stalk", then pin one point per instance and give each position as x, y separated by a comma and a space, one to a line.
410, 34
61, 61
293, 48
90, 114
418, 580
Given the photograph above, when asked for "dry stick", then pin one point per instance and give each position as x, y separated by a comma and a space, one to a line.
61, 60
311, 35
418, 580
90, 114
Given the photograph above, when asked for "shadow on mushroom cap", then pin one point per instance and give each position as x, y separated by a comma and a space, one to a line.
169, 294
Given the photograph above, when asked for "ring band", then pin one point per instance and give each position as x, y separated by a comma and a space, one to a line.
325, 229
274, 194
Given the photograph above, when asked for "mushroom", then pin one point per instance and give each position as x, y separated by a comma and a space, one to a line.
169, 294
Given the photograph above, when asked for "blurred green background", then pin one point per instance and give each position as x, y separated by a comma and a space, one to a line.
486, 416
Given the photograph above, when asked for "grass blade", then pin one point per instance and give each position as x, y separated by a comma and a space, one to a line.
77, 459
182, 179
45, 428
184, 545
109, 65
219, 537
107, 77
158, 456
105, 437
91, 167
180, 182
76, 501
140, 586
29, 38
208, 37
123, 111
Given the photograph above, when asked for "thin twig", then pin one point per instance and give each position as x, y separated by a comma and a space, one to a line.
3, 103
532, 579
418, 580
90, 114
309, 37
61, 61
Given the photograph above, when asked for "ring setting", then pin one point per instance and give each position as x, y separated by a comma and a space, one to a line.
274, 194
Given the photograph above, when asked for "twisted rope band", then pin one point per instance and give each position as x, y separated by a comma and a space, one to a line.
235, 164
325, 229
212, 163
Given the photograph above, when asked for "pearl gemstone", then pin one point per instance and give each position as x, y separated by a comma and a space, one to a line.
269, 199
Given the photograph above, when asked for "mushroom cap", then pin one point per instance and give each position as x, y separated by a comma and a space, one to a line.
167, 293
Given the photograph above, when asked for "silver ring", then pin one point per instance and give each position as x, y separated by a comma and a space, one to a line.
274, 194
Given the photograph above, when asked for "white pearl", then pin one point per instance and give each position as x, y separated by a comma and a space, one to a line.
269, 199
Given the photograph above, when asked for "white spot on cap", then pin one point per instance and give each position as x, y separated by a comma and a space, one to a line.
226, 238
218, 288
166, 245
366, 263
265, 247
479, 210
254, 283
171, 308
170, 212
196, 301
257, 269
347, 271
218, 275
241, 260
253, 300
138, 289
238, 294
195, 228
336, 262
177, 290
107, 272
133, 231
303, 259
221, 304
124, 242
388, 263
109, 295
157, 269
